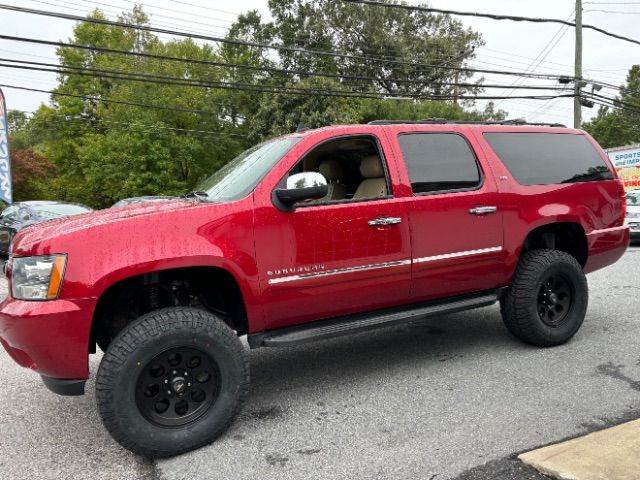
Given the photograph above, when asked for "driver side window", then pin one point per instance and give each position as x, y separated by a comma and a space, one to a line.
353, 167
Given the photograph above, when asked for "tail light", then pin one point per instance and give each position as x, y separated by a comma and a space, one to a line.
623, 197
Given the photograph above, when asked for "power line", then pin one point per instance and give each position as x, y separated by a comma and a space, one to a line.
95, 2
491, 16
117, 102
611, 11
139, 125
550, 46
216, 63
243, 43
205, 8
164, 80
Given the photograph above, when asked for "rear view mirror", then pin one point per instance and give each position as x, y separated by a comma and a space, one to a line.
303, 186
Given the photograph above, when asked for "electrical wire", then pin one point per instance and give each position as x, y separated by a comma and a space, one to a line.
491, 16
546, 50
241, 66
159, 79
117, 102
243, 43
137, 125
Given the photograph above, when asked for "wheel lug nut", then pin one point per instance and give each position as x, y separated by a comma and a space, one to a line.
174, 372
169, 392
166, 381
188, 384
186, 373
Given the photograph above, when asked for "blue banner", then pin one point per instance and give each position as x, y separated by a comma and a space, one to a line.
5, 162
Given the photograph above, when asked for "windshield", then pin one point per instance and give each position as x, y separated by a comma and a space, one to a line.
633, 198
58, 210
240, 176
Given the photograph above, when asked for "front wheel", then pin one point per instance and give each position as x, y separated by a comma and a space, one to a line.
547, 300
171, 381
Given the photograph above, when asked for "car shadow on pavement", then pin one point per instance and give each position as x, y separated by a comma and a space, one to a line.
422, 346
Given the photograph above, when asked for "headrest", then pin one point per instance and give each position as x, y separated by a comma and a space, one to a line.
371, 167
309, 164
331, 169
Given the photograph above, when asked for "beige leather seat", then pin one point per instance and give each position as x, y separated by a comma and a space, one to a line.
332, 170
374, 183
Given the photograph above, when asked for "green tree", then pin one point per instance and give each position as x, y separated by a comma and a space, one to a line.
620, 125
401, 37
110, 137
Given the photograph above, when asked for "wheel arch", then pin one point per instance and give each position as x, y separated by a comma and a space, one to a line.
205, 283
567, 236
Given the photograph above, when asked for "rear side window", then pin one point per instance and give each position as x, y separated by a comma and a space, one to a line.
546, 158
439, 162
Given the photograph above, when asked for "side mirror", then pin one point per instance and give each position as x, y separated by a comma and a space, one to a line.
303, 186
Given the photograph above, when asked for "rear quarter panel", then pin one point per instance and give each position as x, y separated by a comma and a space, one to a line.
596, 206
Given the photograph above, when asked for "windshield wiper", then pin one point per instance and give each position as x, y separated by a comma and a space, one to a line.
198, 195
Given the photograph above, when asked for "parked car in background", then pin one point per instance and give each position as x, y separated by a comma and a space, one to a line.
135, 200
23, 214
633, 214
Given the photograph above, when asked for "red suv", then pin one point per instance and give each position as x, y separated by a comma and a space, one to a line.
315, 234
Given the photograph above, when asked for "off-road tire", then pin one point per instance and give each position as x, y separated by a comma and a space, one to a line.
519, 306
139, 344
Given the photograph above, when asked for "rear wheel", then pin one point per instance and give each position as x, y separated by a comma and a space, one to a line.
171, 381
547, 300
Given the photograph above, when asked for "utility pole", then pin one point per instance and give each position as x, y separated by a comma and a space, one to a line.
577, 99
456, 88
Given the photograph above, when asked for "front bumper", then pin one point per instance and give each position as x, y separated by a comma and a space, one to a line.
50, 337
64, 387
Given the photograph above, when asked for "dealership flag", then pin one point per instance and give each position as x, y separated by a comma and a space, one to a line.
5, 162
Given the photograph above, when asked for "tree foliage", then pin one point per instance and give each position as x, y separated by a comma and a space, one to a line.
165, 138
620, 125
30, 172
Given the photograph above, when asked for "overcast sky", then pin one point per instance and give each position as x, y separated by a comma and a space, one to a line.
540, 48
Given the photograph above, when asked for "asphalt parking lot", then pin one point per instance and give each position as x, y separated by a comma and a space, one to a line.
452, 397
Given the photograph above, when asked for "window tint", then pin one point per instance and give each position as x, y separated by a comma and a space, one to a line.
544, 158
439, 161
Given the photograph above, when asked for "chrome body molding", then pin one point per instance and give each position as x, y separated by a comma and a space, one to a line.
466, 253
339, 271
375, 266
608, 230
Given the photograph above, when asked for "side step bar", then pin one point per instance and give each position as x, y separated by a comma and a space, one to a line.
368, 321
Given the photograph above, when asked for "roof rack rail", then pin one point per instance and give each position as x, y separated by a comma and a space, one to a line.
444, 121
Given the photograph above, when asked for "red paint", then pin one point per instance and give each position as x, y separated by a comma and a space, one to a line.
256, 242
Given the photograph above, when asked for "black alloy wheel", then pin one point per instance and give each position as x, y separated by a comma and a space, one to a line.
555, 299
547, 300
171, 381
177, 387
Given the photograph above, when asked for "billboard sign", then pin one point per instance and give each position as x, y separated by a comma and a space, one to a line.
626, 160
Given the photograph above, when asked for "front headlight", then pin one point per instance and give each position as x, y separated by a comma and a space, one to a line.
37, 278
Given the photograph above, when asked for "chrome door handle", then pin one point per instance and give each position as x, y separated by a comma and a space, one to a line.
483, 210
383, 221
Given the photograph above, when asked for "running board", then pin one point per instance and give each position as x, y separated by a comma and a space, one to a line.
368, 321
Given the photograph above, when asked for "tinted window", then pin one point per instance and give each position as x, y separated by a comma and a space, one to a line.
439, 161
544, 158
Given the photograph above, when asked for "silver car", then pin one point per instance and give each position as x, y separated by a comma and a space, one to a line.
633, 214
